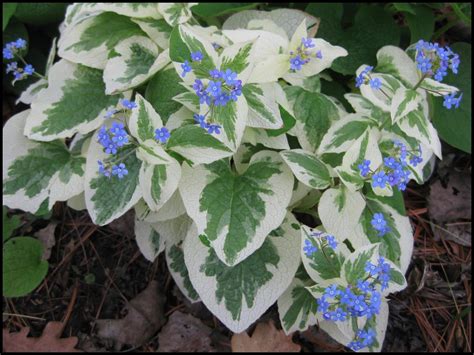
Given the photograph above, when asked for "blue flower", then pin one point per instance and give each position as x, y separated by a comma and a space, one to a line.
375, 83
319, 55
364, 167
221, 99
7, 53
128, 104
423, 63
198, 86
390, 162
229, 76
119, 170
364, 286
296, 63
110, 147
379, 179
323, 304
102, 169
214, 88
309, 248
120, 134
339, 315
307, 42
332, 291
20, 43
379, 223
196, 56
450, 100
331, 241
361, 78
186, 68
13, 66
29, 70
214, 128
215, 74
371, 269
162, 134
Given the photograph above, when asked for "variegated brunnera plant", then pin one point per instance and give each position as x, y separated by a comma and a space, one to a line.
216, 137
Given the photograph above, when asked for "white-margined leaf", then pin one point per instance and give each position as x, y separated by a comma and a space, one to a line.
172, 208
325, 263
417, 125
436, 88
364, 148
29, 95
344, 132
73, 102
237, 212
263, 107
138, 59
238, 295
159, 182
297, 306
197, 145
176, 13
390, 85
109, 198
175, 231
149, 241
260, 137
286, 19
340, 210
394, 61
37, 171
90, 41
397, 243
307, 168
314, 113
185, 40
158, 30
403, 102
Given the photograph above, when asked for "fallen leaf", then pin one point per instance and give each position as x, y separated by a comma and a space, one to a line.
49, 341
454, 201
144, 318
184, 333
46, 237
457, 232
265, 338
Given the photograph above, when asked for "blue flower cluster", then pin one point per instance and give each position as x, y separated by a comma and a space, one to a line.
380, 224
211, 128
303, 55
363, 339
223, 88
433, 60
114, 138
309, 248
380, 272
364, 78
11, 50
395, 169
361, 299
450, 101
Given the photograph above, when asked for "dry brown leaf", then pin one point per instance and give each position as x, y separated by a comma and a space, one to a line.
453, 202
265, 338
185, 333
46, 237
144, 318
49, 341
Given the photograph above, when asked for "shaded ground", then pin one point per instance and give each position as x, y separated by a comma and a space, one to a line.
94, 271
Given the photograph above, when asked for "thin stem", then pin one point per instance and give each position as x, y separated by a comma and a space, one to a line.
420, 81
34, 73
